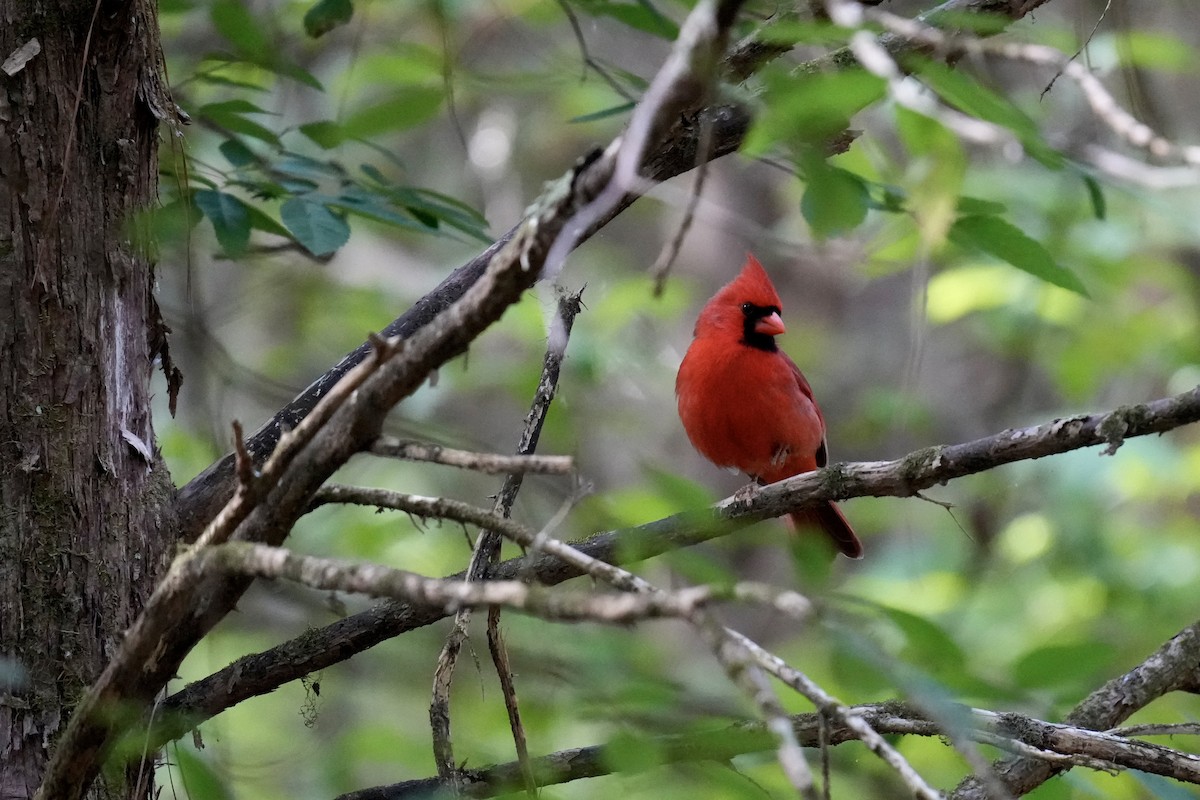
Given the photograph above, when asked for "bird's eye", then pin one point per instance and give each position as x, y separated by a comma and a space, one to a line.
747, 308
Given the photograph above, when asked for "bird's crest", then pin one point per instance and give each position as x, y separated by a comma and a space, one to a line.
752, 285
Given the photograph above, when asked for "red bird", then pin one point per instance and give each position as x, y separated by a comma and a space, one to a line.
745, 404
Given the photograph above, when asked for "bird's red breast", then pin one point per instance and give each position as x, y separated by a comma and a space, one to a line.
745, 404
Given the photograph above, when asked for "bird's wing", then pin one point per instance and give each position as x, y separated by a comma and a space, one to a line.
805, 389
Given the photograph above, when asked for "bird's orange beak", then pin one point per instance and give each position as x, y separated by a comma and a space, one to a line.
771, 325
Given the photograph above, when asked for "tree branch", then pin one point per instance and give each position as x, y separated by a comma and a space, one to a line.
448, 595
1057, 743
490, 463
487, 553
1173, 667
261, 673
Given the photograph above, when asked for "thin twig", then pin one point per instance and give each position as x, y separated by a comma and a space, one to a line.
1103, 104
683, 81
484, 557
739, 664
508, 688
489, 463
840, 714
291, 443
1173, 667
662, 265
1158, 729
1086, 41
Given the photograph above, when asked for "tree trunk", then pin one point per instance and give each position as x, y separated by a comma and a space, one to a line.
84, 499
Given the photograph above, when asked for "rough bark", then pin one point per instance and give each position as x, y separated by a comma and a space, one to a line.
82, 494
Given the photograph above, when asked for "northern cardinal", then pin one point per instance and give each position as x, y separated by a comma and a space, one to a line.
745, 404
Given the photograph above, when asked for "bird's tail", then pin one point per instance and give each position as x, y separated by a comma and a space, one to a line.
829, 519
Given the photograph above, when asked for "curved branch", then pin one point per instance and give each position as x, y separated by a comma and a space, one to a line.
264, 672
1056, 744
1174, 667
447, 595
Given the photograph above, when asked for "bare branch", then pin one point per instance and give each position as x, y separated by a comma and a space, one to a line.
443, 508
1012, 731
873, 56
683, 82
1173, 667
840, 714
487, 553
1159, 729
662, 264
736, 658
331, 574
264, 672
490, 463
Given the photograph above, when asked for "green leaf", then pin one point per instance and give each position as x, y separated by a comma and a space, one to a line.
408, 106
222, 80
300, 166
434, 208
640, 15
891, 199
971, 97
856, 660
295, 186
248, 35
835, 200
975, 205
201, 781
326, 134
326, 15
314, 225
229, 217
231, 116
1153, 51
939, 167
293, 71
260, 221
1058, 664
927, 644
1005, 241
236, 153
1096, 195
365, 203
628, 752
226, 107
809, 109
604, 113
239, 27
372, 172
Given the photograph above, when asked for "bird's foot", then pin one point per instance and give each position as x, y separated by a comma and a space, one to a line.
746, 494
782, 453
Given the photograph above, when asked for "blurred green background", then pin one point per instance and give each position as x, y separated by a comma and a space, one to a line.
327, 183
